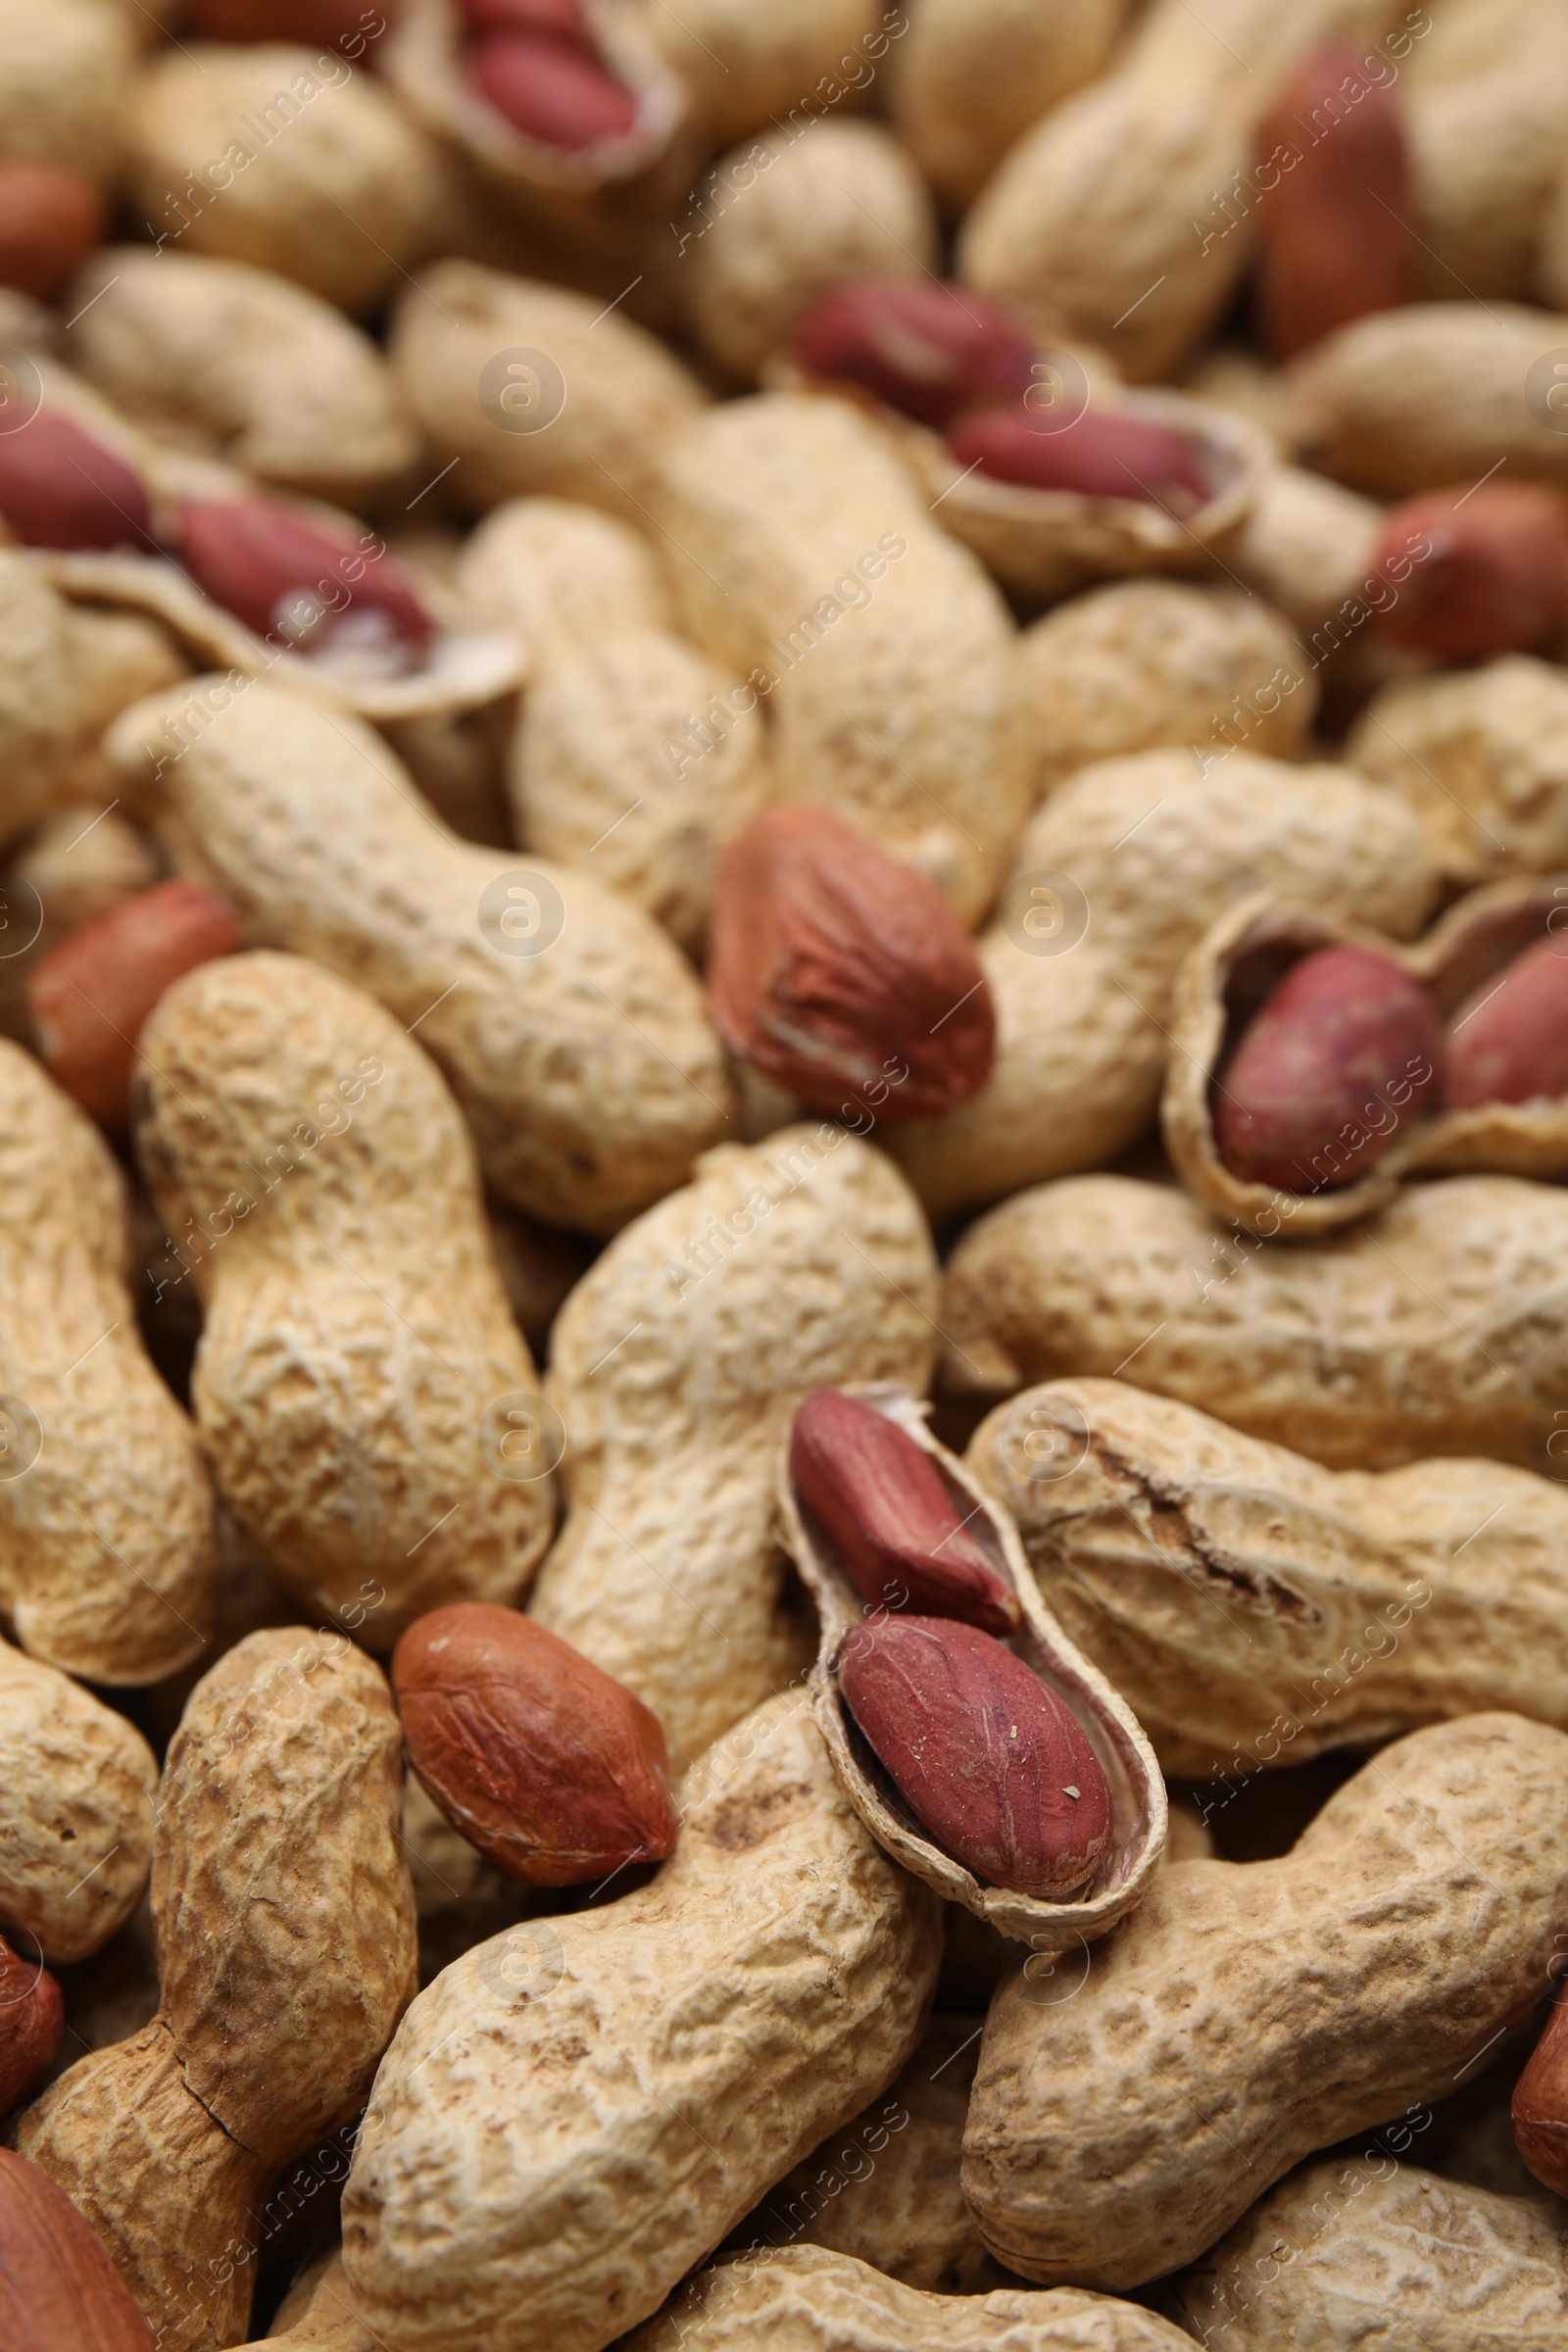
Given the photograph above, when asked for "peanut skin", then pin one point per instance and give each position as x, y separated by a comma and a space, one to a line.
1508, 1042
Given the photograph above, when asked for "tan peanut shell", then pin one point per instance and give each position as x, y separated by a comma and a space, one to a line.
285, 1944
1484, 102
884, 2190
562, 576
1127, 209
1355, 407
600, 193
675, 1367
1482, 758
237, 363
1307, 546
1250, 2013
800, 220
37, 676
64, 71
109, 1553
1113, 880
529, 389
1433, 2265
588, 1072
973, 76
748, 67
1251, 948
357, 1355
572, 2115
1112, 1730
1042, 544
1146, 665
1255, 1609
77, 1783
317, 2314
804, 558
1434, 1326
808, 2299
291, 159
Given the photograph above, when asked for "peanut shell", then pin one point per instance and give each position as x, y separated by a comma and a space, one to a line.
37, 674
240, 364
745, 67
1137, 1791
808, 2299
1290, 1343
1250, 2013
675, 1367
354, 1366
588, 1071
64, 73
802, 552
1433, 2265
1114, 880
1261, 938
1485, 103
77, 1785
316, 2315
1482, 758
570, 402
109, 1568
1256, 1609
285, 1940
564, 576
572, 2115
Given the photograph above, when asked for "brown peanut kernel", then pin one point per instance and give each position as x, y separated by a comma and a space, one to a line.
991, 1761
879, 1498
927, 350
1508, 1042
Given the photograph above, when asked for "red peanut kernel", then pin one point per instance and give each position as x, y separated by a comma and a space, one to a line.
1508, 1042
1342, 1052
1332, 224
1105, 453
989, 1760
879, 1500
90, 997
559, 96
928, 350
275, 571
61, 488
1496, 580
32, 2020
50, 221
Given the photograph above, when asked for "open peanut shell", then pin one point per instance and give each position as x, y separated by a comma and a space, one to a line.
1249, 949
599, 191
467, 664
1136, 1789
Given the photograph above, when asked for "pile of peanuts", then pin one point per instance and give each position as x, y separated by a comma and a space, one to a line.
783, 1175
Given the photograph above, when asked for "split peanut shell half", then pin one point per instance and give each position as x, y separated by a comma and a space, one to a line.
1242, 959
1132, 1776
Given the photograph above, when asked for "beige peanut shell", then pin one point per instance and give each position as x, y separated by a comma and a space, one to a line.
529, 389
37, 676
808, 2299
1430, 2263
972, 76
1482, 758
238, 363
600, 193
1250, 2013
1137, 1793
1251, 948
1357, 407
108, 1556
675, 1367
1255, 1609
1113, 208
572, 2115
748, 67
1150, 665
357, 1355
1042, 544
290, 158
316, 2315
64, 73
796, 222
884, 2190
1484, 102
803, 560
285, 1942
1113, 880
1307, 547
588, 1072
77, 1784
1435, 1327
562, 576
